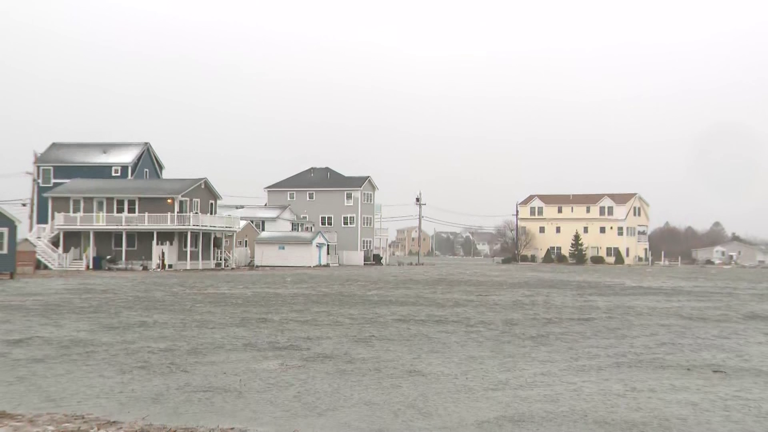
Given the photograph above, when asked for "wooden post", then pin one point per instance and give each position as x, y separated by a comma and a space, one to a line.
213, 236
61, 241
189, 247
125, 235
154, 245
200, 250
90, 253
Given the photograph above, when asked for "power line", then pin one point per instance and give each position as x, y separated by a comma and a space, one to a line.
242, 196
472, 215
397, 205
457, 224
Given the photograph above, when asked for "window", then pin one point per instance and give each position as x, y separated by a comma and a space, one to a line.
620, 231
304, 217
195, 241
541, 230
310, 196
627, 254
46, 176
212, 207
610, 210
146, 173
239, 243
367, 244
126, 206
76, 205
636, 211
130, 241
555, 250
559, 209
349, 198
602, 210
116, 171
294, 227
291, 196
367, 221
533, 211
326, 221
262, 226
281, 247
557, 230
348, 220
367, 197
589, 209
540, 211
609, 251
631, 231
226, 242
586, 230
639, 211
245, 242
602, 230
571, 209
196, 205
3, 240
184, 205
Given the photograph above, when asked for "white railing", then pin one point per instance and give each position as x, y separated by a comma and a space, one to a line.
70, 220
642, 238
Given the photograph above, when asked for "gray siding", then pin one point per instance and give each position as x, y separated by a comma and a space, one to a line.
249, 233
331, 202
8, 260
202, 192
145, 205
145, 162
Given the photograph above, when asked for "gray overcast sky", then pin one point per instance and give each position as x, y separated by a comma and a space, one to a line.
476, 103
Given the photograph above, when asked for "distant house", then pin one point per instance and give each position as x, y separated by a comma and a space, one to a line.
268, 218
407, 242
343, 205
487, 243
169, 223
245, 242
8, 237
291, 249
732, 252
62, 162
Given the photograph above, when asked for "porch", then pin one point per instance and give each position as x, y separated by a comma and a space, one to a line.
149, 221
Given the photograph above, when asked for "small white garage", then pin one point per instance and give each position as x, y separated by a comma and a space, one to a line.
290, 249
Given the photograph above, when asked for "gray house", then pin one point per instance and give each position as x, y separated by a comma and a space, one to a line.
8, 237
342, 207
165, 223
732, 252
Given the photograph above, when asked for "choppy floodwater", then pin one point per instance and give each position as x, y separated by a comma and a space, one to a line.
459, 346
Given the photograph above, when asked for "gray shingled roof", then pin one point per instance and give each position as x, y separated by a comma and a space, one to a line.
124, 187
91, 153
288, 237
320, 178
579, 199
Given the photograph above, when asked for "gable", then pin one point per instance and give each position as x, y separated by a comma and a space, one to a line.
146, 162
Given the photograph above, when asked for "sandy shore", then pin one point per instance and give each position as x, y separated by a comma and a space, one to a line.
10, 422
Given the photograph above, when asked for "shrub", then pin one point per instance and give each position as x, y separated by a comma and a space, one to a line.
709, 262
562, 259
548, 257
533, 258
597, 259
619, 259
507, 260
524, 258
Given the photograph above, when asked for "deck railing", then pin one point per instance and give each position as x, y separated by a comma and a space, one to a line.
73, 220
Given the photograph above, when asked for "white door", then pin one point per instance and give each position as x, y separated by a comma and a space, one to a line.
100, 208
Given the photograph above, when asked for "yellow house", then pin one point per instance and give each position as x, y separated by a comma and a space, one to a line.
608, 223
407, 242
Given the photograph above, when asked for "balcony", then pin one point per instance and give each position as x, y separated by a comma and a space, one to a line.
382, 232
642, 238
63, 221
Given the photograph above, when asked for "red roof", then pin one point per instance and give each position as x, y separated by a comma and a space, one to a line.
579, 199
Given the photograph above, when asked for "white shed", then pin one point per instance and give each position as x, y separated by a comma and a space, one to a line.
291, 249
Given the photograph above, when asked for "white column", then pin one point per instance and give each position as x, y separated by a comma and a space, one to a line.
213, 264
61, 241
124, 238
90, 253
200, 250
234, 245
189, 247
154, 245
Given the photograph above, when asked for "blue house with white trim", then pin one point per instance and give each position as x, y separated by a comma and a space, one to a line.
62, 162
8, 237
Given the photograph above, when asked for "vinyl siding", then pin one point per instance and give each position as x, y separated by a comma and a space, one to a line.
145, 162
8, 259
294, 255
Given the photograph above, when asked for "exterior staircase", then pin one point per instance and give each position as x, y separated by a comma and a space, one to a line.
49, 254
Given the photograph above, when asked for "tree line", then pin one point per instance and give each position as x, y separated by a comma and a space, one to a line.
678, 242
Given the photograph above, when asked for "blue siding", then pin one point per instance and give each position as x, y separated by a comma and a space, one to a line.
8, 260
145, 162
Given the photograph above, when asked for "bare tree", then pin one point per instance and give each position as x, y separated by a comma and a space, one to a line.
506, 233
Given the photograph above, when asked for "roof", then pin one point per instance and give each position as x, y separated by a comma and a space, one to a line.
321, 178
288, 237
579, 199
126, 187
485, 236
10, 216
732, 242
94, 153
259, 212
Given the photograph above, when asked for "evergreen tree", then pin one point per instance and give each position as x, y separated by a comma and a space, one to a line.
547, 259
577, 253
619, 258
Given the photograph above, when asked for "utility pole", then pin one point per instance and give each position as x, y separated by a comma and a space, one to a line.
419, 203
517, 233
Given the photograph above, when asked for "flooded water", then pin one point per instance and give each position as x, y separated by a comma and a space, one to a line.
458, 346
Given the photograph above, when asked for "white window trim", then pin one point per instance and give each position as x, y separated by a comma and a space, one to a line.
42, 176
304, 217
125, 204
184, 238
367, 221
326, 224
146, 173
239, 243
226, 242
348, 225
365, 200
351, 202
178, 205
211, 207
313, 196
195, 203
289, 196
363, 241
116, 171
72, 206
136, 243
4, 233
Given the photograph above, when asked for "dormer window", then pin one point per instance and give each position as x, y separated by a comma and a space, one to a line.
116, 171
46, 176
